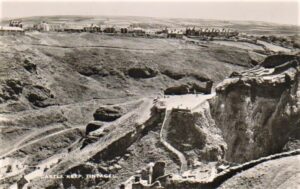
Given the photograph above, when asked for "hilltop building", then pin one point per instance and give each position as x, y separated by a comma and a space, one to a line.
16, 23
8, 30
175, 34
163, 31
137, 31
110, 29
56, 27
92, 28
44, 27
124, 30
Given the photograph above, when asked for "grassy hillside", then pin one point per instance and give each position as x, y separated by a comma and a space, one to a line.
78, 67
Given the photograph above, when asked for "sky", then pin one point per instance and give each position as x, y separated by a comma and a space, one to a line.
282, 12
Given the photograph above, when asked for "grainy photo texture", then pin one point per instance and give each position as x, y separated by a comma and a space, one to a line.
149, 94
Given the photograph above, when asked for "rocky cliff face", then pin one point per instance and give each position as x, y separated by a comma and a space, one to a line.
196, 135
258, 110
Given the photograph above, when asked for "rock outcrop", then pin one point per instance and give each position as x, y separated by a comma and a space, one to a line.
38, 95
108, 114
92, 126
258, 110
277, 60
10, 90
190, 88
30, 67
177, 90
173, 74
142, 72
195, 134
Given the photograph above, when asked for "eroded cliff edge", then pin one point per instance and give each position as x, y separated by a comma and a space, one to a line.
258, 110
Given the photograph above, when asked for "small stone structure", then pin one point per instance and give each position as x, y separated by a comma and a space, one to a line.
150, 177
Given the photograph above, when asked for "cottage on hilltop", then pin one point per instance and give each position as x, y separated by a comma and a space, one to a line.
56, 27
175, 34
43, 26
109, 29
8, 30
92, 28
124, 30
16, 23
137, 31
163, 31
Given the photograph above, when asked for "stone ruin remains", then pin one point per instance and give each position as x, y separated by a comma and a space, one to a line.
151, 177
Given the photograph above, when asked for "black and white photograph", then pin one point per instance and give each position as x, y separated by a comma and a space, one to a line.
149, 94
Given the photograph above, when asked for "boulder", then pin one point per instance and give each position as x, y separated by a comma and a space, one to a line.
39, 96
10, 90
277, 60
30, 67
173, 74
92, 126
142, 72
108, 114
15, 85
200, 77
190, 88
177, 90
88, 140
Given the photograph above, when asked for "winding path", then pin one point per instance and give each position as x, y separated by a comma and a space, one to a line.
182, 159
